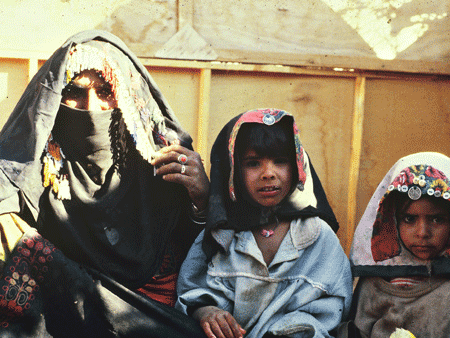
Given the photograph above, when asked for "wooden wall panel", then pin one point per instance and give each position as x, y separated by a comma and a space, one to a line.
13, 80
401, 117
180, 87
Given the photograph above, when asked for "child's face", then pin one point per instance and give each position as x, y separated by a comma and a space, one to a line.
268, 180
425, 228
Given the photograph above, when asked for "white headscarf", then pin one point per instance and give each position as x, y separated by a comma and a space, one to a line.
376, 248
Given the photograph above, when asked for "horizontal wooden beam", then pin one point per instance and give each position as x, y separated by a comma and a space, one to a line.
282, 69
318, 62
20, 54
335, 61
340, 67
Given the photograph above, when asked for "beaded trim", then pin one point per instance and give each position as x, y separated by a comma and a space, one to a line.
421, 180
140, 116
53, 165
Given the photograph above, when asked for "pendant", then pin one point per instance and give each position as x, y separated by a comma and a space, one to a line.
266, 233
112, 235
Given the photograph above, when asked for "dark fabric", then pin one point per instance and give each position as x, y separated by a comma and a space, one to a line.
139, 209
438, 267
389, 271
84, 135
136, 208
121, 220
323, 209
347, 330
44, 294
242, 214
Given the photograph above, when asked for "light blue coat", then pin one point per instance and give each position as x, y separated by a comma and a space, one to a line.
304, 292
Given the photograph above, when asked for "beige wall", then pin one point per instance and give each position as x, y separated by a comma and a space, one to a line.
13, 80
402, 116
181, 88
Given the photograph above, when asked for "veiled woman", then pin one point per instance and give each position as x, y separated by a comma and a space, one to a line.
101, 197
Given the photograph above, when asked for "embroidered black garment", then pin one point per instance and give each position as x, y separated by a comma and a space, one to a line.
114, 221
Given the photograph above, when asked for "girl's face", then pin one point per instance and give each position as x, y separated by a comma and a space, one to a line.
268, 180
424, 228
89, 91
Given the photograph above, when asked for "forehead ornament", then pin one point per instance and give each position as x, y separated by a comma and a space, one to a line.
268, 119
414, 193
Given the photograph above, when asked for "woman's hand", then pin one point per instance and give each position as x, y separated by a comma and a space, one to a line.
12, 228
178, 164
218, 323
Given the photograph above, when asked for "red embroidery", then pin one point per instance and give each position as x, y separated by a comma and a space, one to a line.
19, 281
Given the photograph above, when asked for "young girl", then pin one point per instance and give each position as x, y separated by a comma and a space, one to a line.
401, 251
267, 264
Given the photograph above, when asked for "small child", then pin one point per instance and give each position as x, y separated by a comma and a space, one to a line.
401, 252
267, 264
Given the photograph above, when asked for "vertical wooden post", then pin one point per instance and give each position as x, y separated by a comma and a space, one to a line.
203, 113
33, 66
185, 13
355, 158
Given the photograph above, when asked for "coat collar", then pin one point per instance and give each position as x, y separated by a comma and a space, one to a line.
302, 234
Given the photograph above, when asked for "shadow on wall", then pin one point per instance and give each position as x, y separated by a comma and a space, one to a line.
144, 26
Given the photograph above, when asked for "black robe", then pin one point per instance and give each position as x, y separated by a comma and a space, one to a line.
68, 277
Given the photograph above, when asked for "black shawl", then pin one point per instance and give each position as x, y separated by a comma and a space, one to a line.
123, 227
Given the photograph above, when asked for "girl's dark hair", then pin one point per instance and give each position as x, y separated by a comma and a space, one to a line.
267, 141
